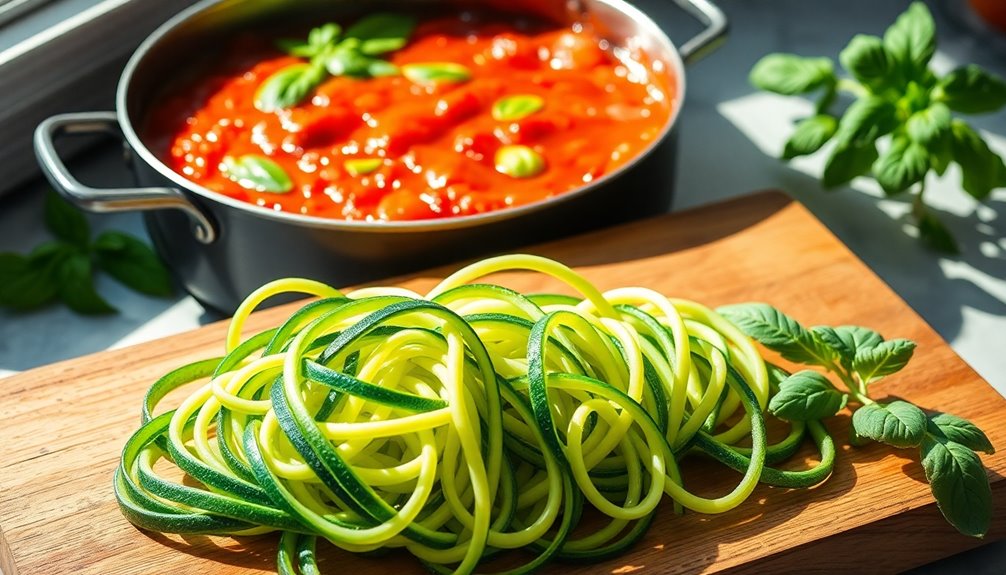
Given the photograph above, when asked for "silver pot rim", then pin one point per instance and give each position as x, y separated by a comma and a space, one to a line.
139, 148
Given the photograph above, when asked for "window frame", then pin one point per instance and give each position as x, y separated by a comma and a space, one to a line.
69, 62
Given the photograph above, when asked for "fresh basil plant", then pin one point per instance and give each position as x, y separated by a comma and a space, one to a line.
859, 358
900, 104
63, 269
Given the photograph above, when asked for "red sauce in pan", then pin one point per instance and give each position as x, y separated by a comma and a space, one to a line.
436, 143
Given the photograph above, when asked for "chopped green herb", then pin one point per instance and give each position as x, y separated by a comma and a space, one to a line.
257, 173
512, 108
362, 166
519, 162
436, 73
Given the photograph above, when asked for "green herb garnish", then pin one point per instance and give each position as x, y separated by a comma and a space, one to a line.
436, 73
288, 87
362, 166
64, 269
807, 396
318, 40
859, 358
333, 53
900, 103
257, 173
517, 107
519, 162
381, 33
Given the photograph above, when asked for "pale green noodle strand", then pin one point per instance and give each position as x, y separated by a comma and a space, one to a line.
455, 423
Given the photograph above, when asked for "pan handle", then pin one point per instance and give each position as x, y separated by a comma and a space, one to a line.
107, 200
709, 39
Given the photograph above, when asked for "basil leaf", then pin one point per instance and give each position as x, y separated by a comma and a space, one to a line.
362, 166
941, 152
378, 46
788, 74
383, 26
898, 423
381, 68
519, 162
933, 233
65, 221
776, 374
31, 282
318, 40
866, 120
436, 72
847, 341
76, 287
848, 161
806, 396
297, 48
764, 323
982, 170
257, 173
133, 263
929, 125
288, 87
778, 332
51, 253
348, 62
25, 285
516, 107
960, 430
323, 36
901, 166
868, 61
911, 40
810, 135
883, 359
960, 485
971, 90
11, 265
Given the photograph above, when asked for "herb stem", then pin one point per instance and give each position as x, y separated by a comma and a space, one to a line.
857, 389
861, 398
831, 92
852, 87
918, 205
845, 377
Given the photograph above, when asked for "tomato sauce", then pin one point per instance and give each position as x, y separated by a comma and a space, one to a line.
436, 143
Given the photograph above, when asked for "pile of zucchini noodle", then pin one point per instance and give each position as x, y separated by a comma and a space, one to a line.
460, 423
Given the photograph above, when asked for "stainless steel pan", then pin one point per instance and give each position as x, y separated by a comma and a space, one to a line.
221, 249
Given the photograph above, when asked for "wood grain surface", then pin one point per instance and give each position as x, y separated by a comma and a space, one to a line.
63, 425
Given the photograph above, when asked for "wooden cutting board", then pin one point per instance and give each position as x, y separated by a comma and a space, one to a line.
63, 425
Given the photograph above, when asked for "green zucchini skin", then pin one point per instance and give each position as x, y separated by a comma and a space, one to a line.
535, 411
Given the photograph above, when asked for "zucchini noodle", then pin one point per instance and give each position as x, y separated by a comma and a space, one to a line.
460, 423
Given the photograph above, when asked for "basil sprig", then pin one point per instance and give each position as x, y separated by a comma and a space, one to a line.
860, 357
900, 103
64, 269
332, 52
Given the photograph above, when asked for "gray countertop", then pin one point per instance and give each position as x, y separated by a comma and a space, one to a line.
729, 138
